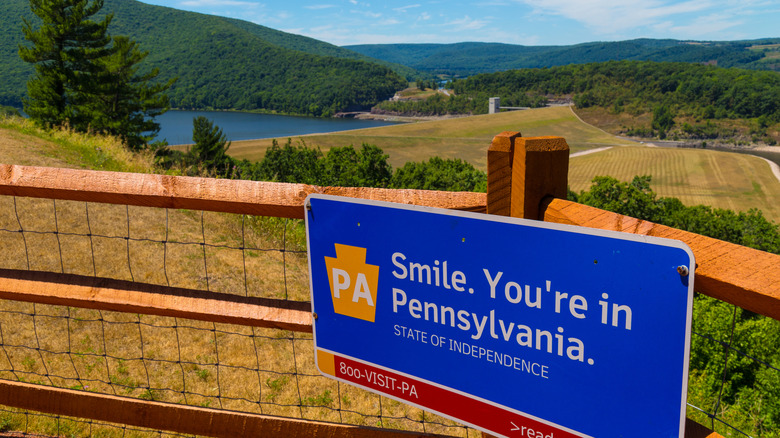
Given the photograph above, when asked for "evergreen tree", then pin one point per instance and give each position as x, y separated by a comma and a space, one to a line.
210, 149
127, 102
83, 80
65, 50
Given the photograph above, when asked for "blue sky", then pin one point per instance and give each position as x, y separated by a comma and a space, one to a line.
527, 22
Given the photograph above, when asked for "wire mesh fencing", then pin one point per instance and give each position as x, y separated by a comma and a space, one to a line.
248, 369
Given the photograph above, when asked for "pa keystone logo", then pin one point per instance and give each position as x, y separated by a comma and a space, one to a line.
353, 283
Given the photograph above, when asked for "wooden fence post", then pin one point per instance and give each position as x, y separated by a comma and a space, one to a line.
524, 170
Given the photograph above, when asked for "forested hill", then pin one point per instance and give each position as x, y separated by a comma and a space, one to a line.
222, 63
639, 87
471, 58
317, 47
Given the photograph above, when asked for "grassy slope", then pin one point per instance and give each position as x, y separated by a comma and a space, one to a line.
23, 143
465, 138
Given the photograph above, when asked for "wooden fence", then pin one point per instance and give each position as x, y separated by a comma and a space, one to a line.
526, 178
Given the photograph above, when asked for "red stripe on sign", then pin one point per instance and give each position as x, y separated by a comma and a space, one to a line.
480, 414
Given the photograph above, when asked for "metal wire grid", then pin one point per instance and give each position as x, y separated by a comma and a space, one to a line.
169, 359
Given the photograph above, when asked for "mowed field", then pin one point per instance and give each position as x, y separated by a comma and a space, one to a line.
695, 176
466, 138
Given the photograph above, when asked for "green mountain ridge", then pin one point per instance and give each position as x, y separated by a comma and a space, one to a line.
471, 58
317, 47
223, 63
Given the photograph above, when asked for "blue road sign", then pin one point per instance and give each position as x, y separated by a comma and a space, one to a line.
519, 328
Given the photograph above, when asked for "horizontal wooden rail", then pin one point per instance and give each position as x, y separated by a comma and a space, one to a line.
177, 418
209, 194
148, 299
746, 277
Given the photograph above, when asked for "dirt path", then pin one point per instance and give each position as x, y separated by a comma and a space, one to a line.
772, 165
589, 151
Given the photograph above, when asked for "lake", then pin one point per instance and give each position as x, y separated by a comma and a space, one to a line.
176, 126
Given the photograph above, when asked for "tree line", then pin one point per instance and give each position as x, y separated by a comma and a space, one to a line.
639, 87
471, 58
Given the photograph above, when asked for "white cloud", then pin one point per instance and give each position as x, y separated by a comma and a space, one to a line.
296, 31
610, 16
466, 23
406, 8
322, 29
528, 22
713, 24
318, 7
368, 14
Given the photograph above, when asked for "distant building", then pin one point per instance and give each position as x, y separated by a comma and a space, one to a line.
494, 105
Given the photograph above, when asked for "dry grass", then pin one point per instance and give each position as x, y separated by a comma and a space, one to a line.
22, 142
181, 361
466, 138
695, 176
416, 93
611, 122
